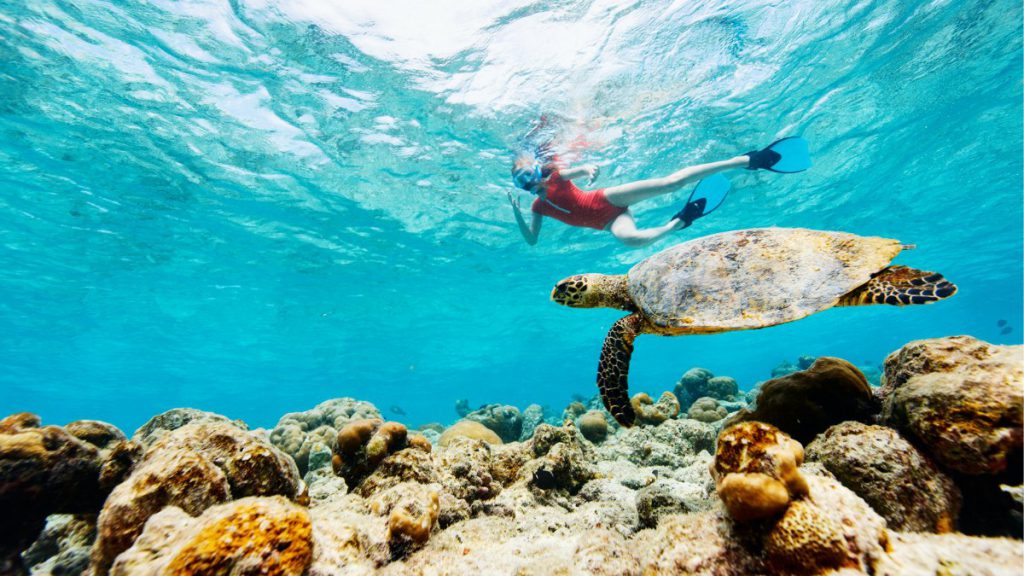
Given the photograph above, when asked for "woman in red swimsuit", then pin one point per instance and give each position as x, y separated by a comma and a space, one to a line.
608, 208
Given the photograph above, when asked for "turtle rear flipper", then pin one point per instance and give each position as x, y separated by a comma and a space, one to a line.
900, 286
613, 368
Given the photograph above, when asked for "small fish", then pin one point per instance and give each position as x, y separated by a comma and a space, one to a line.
1006, 330
396, 409
1001, 323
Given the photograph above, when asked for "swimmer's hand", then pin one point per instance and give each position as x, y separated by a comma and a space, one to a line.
591, 171
513, 199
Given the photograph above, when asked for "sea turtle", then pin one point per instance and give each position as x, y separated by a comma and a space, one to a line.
741, 280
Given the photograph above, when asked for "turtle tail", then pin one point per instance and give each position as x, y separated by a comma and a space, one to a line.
899, 286
613, 368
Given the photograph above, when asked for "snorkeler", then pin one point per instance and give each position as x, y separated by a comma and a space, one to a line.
609, 208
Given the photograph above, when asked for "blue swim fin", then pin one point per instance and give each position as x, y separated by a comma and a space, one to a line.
784, 156
708, 195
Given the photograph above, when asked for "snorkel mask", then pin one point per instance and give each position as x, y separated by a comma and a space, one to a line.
526, 178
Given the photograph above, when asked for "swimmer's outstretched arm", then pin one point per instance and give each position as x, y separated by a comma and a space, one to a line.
530, 232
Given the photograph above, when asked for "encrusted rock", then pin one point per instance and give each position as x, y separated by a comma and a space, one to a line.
62, 548
602, 552
561, 460
49, 470
755, 470
806, 403
296, 433
658, 500
962, 399
256, 535
193, 467
891, 475
706, 409
651, 413
171, 420
673, 443
412, 511
466, 470
469, 429
505, 421
951, 555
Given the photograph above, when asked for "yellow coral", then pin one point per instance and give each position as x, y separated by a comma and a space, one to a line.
752, 496
277, 538
754, 464
469, 429
411, 522
651, 413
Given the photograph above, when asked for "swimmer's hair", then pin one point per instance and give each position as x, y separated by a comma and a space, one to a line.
523, 157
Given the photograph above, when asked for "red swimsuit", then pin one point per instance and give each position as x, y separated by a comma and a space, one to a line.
578, 207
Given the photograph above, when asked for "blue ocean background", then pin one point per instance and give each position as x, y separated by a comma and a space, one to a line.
251, 206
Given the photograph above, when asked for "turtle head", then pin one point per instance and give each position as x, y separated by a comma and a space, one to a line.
593, 291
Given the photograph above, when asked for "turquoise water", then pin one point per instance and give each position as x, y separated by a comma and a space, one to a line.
252, 206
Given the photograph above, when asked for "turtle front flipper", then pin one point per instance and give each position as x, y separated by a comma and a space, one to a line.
899, 286
613, 368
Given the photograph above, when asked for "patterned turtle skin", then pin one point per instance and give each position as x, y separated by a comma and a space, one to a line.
741, 280
753, 278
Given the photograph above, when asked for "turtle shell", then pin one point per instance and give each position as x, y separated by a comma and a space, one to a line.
753, 278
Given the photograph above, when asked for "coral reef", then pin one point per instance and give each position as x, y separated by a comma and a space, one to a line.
804, 404
505, 421
469, 429
706, 409
583, 497
52, 470
651, 413
297, 432
755, 470
193, 467
594, 426
893, 477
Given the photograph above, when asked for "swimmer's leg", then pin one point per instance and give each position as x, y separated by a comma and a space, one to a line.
629, 194
624, 228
